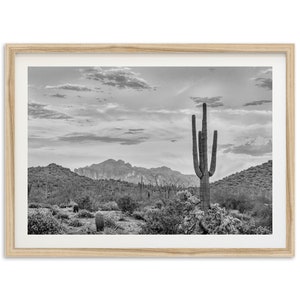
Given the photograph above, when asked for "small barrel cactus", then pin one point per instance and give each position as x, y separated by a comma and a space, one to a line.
99, 219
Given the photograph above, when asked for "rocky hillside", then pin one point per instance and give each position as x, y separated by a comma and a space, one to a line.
56, 184
119, 170
256, 180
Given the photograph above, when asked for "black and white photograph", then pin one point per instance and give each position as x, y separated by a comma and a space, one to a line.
150, 150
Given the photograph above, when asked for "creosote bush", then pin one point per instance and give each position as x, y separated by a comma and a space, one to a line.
42, 222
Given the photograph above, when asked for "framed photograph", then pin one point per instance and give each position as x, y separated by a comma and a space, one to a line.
149, 150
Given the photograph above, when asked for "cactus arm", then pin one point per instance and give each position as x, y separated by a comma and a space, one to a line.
195, 152
200, 144
213, 155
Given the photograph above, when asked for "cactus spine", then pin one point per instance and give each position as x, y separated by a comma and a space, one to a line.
201, 165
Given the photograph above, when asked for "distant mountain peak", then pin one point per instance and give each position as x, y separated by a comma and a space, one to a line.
121, 170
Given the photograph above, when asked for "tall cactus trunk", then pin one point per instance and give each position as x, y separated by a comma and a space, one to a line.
201, 163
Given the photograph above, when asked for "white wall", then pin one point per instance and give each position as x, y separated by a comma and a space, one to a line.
254, 21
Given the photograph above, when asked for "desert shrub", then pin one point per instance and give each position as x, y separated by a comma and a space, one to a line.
181, 216
239, 201
85, 202
34, 205
159, 204
61, 215
85, 214
127, 204
75, 223
168, 219
138, 215
263, 215
183, 195
111, 205
54, 210
218, 220
42, 222
109, 222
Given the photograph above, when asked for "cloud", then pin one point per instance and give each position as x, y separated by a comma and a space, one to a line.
224, 146
134, 131
88, 137
57, 95
257, 102
39, 111
70, 87
122, 78
251, 148
263, 82
266, 71
210, 101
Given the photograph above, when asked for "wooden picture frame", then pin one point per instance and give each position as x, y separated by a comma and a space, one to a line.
11, 168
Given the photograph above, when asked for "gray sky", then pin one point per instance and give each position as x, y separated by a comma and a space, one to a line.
84, 115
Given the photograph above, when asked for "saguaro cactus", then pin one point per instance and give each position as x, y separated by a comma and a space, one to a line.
201, 165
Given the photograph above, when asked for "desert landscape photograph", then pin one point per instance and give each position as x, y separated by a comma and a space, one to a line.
140, 150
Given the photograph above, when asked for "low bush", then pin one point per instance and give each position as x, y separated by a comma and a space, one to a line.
159, 204
42, 222
85, 202
168, 219
54, 210
108, 206
138, 215
218, 220
181, 216
85, 214
127, 204
263, 215
62, 215
110, 222
75, 223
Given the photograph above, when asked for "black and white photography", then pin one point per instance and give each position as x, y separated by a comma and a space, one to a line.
151, 150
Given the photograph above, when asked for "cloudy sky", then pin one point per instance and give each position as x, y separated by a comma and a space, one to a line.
84, 115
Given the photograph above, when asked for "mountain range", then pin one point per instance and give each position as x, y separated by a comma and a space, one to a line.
56, 184
119, 170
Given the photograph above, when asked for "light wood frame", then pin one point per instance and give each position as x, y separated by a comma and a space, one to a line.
13, 49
